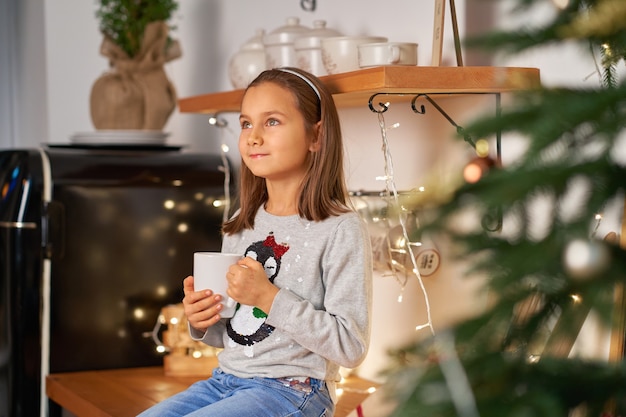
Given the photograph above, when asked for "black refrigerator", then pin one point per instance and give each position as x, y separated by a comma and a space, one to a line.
94, 241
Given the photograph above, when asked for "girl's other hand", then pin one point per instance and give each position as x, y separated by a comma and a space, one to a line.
202, 308
248, 284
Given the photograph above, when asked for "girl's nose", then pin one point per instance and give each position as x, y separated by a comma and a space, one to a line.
254, 138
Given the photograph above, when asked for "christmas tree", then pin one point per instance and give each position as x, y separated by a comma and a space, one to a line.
514, 358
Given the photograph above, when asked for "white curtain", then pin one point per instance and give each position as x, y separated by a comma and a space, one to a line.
8, 60
23, 92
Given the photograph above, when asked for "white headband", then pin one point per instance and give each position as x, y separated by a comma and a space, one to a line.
305, 79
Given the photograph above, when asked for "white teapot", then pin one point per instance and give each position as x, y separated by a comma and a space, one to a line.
248, 62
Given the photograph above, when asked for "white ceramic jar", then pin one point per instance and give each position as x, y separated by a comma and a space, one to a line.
248, 62
308, 48
279, 47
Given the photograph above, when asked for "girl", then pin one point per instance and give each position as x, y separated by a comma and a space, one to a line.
303, 285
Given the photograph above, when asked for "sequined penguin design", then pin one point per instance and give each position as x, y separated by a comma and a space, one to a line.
248, 327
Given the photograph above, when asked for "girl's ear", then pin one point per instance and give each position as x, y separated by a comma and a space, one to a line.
316, 142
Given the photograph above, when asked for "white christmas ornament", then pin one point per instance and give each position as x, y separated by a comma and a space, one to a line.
585, 259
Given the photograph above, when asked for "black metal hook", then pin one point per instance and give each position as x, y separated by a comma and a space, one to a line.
308, 5
422, 109
492, 222
383, 107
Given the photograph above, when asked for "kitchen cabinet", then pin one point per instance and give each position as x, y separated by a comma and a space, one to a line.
355, 88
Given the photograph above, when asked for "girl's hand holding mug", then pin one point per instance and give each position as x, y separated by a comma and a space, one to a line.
248, 284
202, 308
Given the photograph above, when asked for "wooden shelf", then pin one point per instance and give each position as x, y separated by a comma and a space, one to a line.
351, 89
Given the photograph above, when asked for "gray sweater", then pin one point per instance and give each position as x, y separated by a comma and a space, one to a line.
320, 318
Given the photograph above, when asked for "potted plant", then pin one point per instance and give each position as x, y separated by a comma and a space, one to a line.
134, 93
124, 21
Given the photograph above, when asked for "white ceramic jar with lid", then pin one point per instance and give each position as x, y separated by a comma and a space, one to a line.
279, 47
248, 62
308, 48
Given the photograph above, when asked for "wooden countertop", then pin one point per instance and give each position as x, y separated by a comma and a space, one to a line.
127, 392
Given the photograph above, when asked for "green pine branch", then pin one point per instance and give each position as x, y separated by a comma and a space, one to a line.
124, 21
508, 355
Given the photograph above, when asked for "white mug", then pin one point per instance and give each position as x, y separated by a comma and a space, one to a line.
387, 53
340, 53
209, 272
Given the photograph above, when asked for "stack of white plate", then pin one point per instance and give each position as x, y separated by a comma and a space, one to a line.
120, 137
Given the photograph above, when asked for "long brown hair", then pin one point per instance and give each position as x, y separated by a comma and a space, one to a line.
323, 193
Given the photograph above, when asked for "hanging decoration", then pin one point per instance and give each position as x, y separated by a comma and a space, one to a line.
586, 258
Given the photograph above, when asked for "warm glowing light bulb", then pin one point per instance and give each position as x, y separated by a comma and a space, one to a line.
482, 148
472, 173
138, 313
169, 204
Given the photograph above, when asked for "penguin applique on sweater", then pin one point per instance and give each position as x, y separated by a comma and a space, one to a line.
248, 326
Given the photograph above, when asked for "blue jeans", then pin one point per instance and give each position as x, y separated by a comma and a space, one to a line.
225, 395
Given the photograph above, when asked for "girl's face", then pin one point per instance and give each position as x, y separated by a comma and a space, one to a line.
273, 142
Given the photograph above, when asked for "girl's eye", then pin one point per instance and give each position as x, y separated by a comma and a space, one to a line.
272, 122
245, 125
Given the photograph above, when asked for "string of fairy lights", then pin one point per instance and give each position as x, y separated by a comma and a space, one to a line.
393, 203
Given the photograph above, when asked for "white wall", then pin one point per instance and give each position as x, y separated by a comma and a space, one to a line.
61, 41
210, 31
